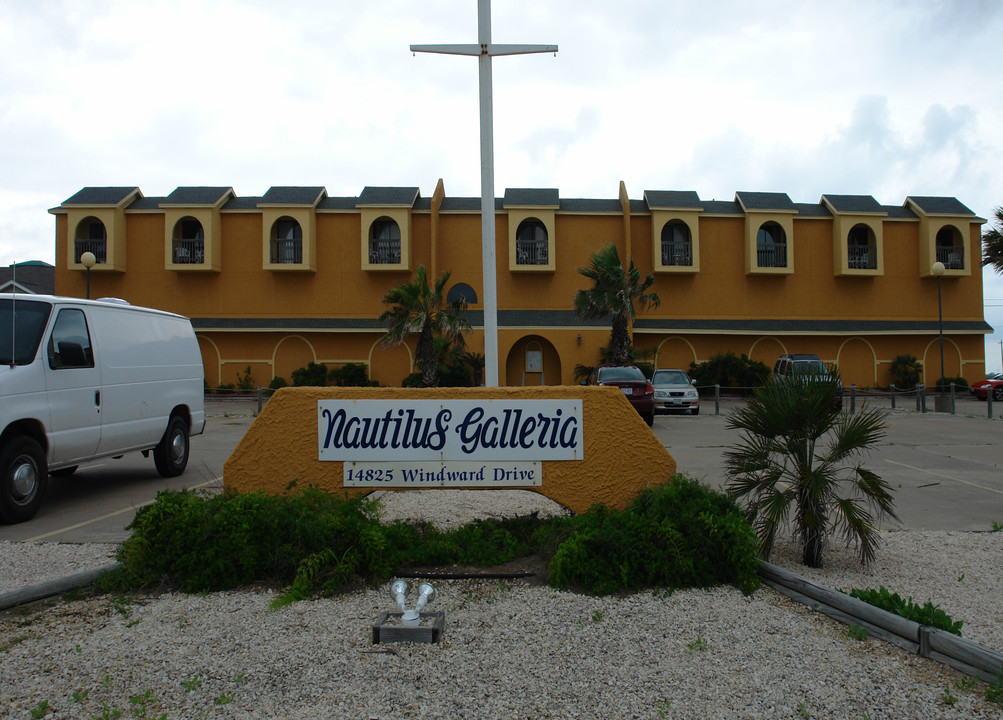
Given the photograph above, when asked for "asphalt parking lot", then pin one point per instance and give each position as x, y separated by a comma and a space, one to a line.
946, 471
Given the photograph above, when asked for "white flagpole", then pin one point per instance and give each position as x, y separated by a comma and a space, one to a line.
484, 51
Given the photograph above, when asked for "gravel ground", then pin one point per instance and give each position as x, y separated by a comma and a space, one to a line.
511, 649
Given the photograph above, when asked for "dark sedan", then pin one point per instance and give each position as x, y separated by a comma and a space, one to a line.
634, 385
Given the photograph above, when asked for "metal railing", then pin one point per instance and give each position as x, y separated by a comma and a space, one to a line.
862, 257
385, 252
98, 247
771, 255
677, 253
531, 252
187, 252
287, 252
953, 257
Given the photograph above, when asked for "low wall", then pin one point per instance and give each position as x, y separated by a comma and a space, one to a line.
620, 454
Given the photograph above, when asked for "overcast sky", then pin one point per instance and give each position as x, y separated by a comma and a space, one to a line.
855, 96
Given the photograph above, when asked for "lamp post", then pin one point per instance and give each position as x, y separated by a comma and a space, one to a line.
937, 269
88, 260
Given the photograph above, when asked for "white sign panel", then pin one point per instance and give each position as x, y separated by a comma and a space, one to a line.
447, 474
449, 430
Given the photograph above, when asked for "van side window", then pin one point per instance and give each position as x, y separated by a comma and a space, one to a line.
70, 342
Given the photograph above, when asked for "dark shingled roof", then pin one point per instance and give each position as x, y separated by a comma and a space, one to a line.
289, 195
101, 195
899, 212
586, 205
242, 203
674, 199
520, 197
146, 203
940, 205
388, 196
722, 207
197, 195
338, 203
764, 201
850, 204
811, 210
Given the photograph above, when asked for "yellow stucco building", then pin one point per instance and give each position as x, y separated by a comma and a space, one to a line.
297, 276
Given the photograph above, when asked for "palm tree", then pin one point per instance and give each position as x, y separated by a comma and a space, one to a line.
417, 308
992, 243
798, 450
615, 291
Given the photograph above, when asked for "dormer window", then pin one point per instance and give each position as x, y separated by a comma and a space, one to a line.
677, 244
286, 244
861, 248
531, 243
950, 248
92, 237
385, 242
771, 246
188, 244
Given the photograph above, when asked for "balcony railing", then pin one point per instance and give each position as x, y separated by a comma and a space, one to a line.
952, 257
771, 255
531, 253
98, 247
862, 257
187, 252
677, 253
384, 252
287, 252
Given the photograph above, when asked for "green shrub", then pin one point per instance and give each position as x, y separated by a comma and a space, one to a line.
905, 371
314, 374
201, 543
731, 371
351, 375
277, 383
927, 614
676, 535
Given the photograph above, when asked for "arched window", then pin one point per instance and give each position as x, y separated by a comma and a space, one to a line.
91, 236
677, 244
531, 246
861, 248
287, 241
771, 246
384, 242
950, 248
188, 243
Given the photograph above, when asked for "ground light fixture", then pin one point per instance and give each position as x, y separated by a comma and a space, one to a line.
399, 590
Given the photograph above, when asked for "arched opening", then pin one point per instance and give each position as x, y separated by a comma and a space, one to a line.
91, 236
771, 245
384, 242
533, 360
286, 241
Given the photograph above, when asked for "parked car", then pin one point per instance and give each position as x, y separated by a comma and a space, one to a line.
794, 364
982, 389
634, 385
674, 391
82, 380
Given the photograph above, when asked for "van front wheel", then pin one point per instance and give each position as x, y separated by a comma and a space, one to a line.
25, 476
171, 454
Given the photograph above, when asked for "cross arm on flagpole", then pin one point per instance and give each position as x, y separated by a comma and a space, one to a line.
490, 49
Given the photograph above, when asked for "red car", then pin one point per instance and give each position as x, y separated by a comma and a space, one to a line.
982, 389
634, 385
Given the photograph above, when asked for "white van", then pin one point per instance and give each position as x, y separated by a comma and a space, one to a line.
87, 379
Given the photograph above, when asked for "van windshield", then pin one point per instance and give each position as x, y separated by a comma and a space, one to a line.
22, 323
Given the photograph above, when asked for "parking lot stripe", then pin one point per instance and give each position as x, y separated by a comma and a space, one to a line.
131, 508
946, 477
